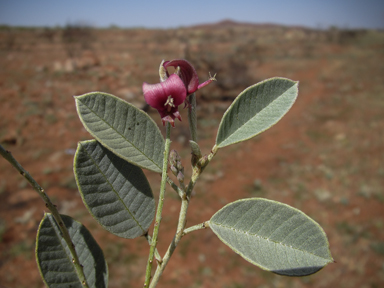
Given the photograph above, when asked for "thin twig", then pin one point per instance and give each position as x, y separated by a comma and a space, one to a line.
175, 187
200, 226
78, 267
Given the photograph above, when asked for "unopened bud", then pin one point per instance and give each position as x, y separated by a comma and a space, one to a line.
173, 157
174, 170
175, 162
179, 166
195, 149
180, 177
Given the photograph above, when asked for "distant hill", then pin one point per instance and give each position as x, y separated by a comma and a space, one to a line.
227, 23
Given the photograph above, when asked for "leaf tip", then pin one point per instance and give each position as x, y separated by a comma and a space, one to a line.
76, 97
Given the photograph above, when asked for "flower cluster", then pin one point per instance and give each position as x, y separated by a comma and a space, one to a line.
173, 89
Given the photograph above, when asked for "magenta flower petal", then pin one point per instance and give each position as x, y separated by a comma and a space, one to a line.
187, 73
165, 97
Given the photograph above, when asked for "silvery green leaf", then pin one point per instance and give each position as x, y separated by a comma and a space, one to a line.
115, 192
256, 109
124, 129
272, 235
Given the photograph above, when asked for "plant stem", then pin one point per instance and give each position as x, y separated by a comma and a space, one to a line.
192, 119
159, 211
157, 255
78, 267
175, 241
182, 218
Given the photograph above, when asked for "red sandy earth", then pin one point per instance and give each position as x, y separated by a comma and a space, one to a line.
201, 260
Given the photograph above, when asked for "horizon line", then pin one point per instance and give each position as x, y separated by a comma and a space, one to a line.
225, 22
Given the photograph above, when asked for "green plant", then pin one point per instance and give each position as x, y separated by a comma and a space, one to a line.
108, 171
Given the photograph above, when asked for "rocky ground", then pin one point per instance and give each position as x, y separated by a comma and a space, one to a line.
324, 157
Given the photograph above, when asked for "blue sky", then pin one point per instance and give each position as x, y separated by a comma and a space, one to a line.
170, 14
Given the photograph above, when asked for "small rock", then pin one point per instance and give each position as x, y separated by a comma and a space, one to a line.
322, 195
208, 177
365, 191
340, 137
56, 156
57, 67
201, 258
27, 216
67, 206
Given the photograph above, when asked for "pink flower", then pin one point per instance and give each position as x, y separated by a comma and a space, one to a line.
187, 73
166, 96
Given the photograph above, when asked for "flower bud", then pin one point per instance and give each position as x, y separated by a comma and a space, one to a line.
174, 170
180, 176
175, 163
173, 157
179, 166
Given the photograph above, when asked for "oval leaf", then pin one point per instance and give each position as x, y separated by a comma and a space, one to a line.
273, 236
124, 129
115, 192
55, 261
256, 109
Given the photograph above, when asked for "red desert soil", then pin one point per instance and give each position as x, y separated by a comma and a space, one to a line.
325, 157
